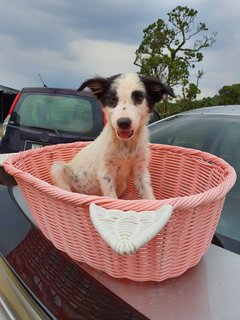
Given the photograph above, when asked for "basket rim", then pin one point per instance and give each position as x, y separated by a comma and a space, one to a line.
179, 203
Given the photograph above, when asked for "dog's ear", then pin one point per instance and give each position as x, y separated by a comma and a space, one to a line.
156, 90
97, 85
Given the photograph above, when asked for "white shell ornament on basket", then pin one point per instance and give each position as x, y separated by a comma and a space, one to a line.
127, 231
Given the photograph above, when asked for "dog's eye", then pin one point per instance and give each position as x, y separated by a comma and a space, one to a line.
138, 97
112, 101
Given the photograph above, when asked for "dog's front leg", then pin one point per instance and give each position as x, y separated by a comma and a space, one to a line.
142, 182
107, 183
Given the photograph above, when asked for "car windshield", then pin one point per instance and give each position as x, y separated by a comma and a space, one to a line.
56, 112
217, 134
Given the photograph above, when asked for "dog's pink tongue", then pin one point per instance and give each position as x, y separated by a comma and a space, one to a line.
124, 134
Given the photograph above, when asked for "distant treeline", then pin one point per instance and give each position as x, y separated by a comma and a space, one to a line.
227, 95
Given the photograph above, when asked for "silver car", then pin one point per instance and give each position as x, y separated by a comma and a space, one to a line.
215, 130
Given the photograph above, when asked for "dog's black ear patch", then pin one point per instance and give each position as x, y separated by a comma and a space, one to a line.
156, 90
98, 86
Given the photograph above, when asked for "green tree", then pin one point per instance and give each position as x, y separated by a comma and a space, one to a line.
230, 94
169, 50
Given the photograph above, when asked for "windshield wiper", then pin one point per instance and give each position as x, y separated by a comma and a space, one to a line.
56, 131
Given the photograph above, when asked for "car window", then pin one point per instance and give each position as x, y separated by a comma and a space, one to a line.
219, 135
185, 131
227, 147
58, 112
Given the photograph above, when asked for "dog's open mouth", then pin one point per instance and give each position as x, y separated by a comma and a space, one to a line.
125, 134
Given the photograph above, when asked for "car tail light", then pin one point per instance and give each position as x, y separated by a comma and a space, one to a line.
14, 103
104, 119
5, 122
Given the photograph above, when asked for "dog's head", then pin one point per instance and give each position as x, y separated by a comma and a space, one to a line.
127, 99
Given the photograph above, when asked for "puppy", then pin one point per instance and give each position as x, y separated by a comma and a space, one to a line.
121, 150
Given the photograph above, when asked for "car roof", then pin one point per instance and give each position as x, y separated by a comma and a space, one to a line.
216, 110
56, 90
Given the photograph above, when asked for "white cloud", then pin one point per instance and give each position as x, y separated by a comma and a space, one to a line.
67, 42
102, 57
221, 68
80, 59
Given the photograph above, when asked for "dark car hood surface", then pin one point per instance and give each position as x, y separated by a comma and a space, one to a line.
61, 288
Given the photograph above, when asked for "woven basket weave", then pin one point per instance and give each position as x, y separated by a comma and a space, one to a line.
194, 182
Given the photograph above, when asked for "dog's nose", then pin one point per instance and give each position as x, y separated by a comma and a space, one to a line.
124, 123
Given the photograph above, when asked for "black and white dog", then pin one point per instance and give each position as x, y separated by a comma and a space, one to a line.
122, 148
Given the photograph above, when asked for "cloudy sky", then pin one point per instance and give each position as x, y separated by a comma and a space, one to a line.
68, 41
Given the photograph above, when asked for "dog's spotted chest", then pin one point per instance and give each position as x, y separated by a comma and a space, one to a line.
84, 181
122, 163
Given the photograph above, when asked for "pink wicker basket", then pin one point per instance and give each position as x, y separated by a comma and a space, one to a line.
194, 182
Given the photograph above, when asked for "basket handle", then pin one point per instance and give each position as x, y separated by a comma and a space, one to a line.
127, 231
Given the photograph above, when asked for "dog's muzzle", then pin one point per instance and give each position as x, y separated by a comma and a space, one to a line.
124, 128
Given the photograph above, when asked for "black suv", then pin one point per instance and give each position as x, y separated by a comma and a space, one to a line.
43, 116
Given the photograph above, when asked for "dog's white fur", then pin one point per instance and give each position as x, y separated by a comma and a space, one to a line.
102, 167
